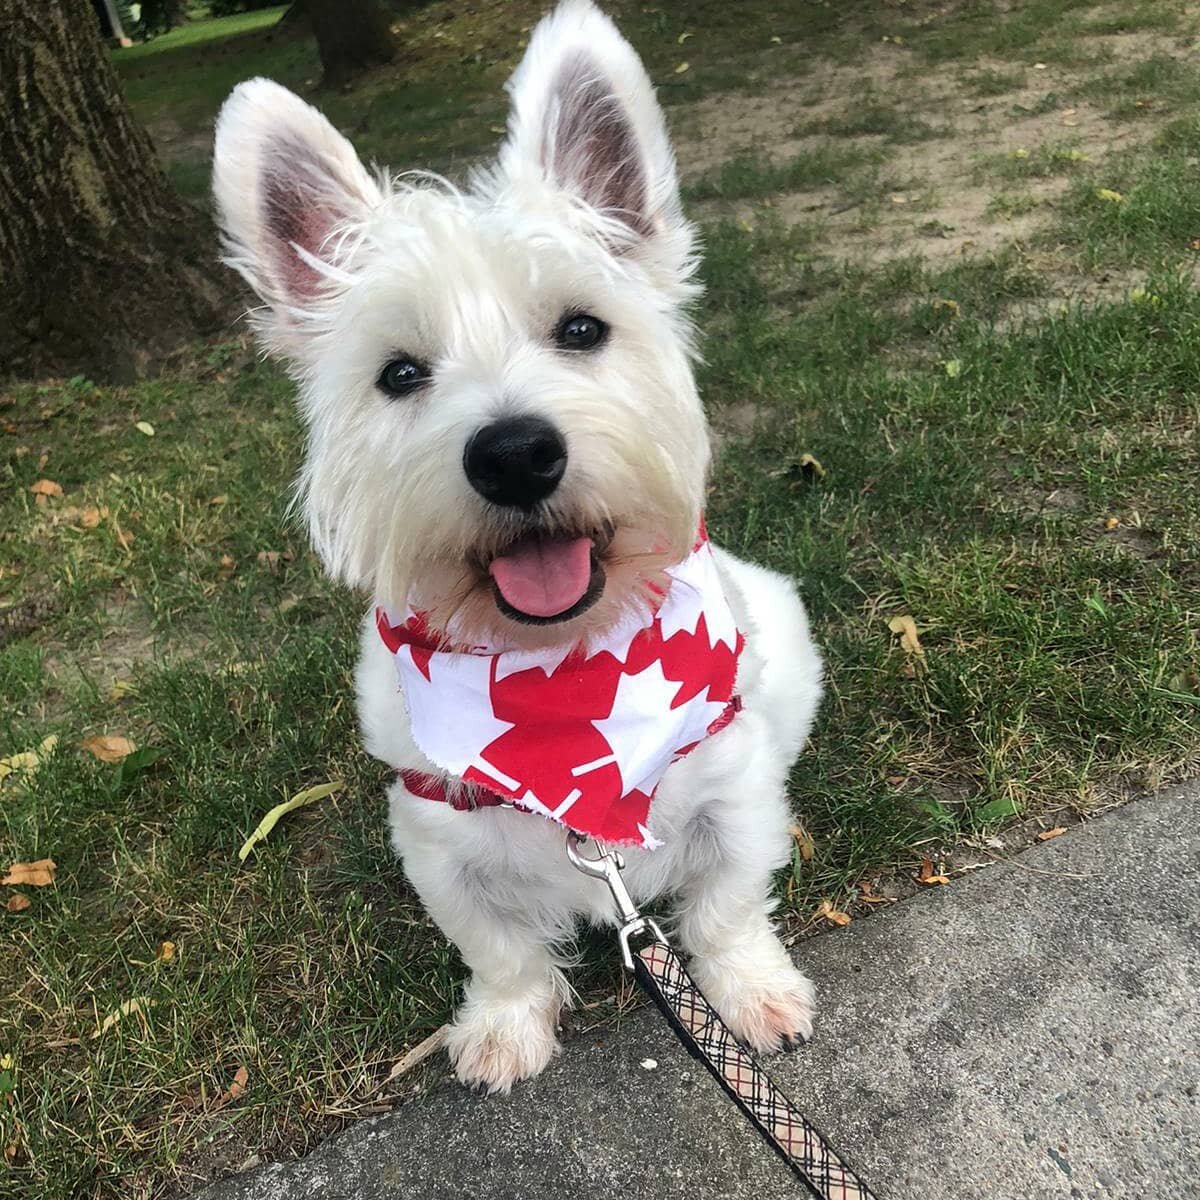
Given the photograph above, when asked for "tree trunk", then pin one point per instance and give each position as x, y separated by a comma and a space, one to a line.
104, 267
352, 35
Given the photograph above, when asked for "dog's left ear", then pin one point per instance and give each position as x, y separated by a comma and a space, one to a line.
585, 119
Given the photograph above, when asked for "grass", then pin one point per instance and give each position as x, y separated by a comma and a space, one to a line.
751, 176
873, 117
1013, 474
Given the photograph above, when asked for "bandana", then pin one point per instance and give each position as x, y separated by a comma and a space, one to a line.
581, 735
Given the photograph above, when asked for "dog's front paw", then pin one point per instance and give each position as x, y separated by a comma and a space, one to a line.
493, 1046
769, 1007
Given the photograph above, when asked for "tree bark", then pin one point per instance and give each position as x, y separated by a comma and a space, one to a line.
104, 267
352, 35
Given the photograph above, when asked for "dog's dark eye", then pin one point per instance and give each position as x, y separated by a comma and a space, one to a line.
579, 331
402, 376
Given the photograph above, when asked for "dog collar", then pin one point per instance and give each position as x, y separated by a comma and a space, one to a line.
581, 735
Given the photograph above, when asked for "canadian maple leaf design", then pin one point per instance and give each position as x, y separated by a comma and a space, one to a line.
583, 737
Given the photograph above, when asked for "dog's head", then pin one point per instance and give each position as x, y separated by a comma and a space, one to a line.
504, 428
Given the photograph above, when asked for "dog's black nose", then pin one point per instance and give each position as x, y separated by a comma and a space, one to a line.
516, 461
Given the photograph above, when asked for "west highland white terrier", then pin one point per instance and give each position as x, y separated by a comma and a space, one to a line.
507, 451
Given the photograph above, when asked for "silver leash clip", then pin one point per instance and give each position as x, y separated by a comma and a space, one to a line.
608, 867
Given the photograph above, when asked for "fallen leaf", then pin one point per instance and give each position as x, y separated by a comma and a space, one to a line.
683, 37
679, 70
32, 874
926, 875
803, 840
1039, 66
227, 565
777, 41
268, 559
145, 427
28, 761
1109, 195
1112, 522
833, 915
121, 688
811, 466
18, 902
46, 487
165, 952
299, 800
418, 1054
238, 1087
217, 501
910, 640
868, 895
89, 518
109, 748
1047, 834
950, 306
138, 1006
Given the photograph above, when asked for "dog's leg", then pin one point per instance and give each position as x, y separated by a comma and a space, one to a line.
724, 923
505, 1029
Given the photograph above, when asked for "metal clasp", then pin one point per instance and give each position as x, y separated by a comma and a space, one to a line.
608, 867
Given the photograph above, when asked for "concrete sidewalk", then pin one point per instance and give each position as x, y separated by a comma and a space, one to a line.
1030, 1031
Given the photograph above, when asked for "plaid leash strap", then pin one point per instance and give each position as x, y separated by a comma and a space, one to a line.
705, 1036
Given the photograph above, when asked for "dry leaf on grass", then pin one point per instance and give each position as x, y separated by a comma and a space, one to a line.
28, 761
32, 874
137, 1007
145, 427
833, 915
299, 800
803, 840
109, 748
18, 902
910, 640
1047, 834
165, 952
925, 874
236, 1089
679, 70
89, 518
812, 466
868, 895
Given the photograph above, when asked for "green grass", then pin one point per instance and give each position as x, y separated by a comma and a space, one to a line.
1016, 477
988, 82
752, 176
873, 117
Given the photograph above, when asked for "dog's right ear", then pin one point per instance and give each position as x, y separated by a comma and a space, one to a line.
288, 187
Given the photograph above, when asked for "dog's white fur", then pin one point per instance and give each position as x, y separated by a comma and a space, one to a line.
581, 212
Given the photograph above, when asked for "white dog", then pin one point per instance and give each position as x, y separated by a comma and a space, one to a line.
507, 450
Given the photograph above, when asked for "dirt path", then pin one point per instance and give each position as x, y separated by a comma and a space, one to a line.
945, 181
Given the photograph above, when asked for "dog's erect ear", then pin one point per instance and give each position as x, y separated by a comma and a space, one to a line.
584, 118
287, 184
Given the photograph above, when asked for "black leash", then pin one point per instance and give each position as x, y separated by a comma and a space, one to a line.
708, 1039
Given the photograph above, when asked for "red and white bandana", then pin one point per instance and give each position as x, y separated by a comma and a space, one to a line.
580, 735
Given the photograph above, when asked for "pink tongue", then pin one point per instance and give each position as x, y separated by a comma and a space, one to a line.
543, 578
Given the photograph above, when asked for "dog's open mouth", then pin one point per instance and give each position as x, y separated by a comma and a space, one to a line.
540, 580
